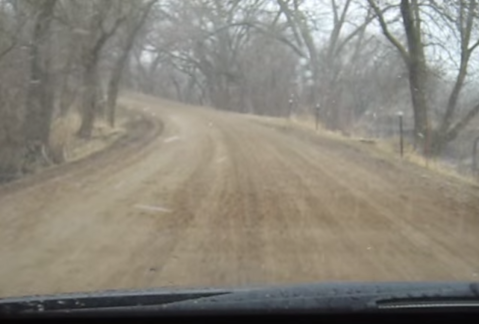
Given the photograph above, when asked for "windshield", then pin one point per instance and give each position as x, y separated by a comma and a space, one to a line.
211, 143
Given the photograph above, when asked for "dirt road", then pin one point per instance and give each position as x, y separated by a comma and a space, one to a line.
216, 199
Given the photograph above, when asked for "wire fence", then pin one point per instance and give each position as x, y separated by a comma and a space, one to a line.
397, 131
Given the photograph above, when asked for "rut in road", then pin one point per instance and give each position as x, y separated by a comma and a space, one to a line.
232, 202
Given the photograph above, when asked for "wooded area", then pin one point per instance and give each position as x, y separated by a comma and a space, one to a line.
353, 59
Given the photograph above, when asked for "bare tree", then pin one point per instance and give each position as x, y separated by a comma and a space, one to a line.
133, 24
247, 56
466, 13
205, 45
324, 60
52, 53
39, 103
462, 16
103, 19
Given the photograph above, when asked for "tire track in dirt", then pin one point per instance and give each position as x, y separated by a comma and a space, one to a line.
398, 216
376, 217
59, 183
217, 200
186, 203
385, 206
294, 217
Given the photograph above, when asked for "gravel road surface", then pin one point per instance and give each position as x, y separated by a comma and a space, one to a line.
195, 197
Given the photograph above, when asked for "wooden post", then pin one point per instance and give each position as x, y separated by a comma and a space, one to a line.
427, 144
474, 156
318, 107
401, 133
291, 102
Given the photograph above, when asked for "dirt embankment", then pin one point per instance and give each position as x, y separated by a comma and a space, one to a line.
219, 200
135, 128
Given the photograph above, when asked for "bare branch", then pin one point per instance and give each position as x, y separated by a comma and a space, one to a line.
403, 52
473, 47
459, 126
8, 49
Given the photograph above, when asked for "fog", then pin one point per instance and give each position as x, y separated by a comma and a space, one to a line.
357, 61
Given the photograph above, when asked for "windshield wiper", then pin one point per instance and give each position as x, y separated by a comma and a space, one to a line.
314, 298
99, 301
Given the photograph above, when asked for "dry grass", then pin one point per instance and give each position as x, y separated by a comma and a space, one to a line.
304, 122
386, 148
62, 136
307, 121
392, 148
66, 146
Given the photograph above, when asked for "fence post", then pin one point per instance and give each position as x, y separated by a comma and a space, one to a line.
401, 133
318, 107
474, 156
291, 102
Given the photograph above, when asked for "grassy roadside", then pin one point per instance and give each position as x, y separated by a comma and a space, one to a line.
67, 147
386, 149
391, 148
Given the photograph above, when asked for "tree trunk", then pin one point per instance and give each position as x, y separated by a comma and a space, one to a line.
417, 81
176, 85
39, 103
416, 64
67, 93
445, 133
114, 88
114, 84
89, 100
442, 139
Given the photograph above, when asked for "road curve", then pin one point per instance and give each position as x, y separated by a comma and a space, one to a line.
222, 200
